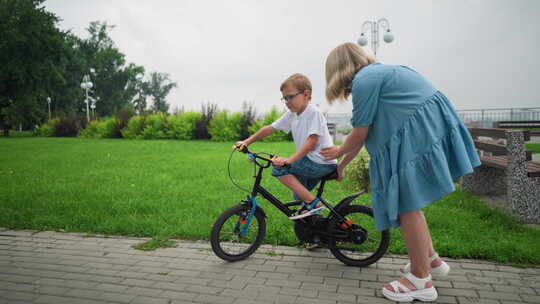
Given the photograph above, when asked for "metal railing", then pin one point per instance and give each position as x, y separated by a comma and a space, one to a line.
477, 118
339, 119
485, 118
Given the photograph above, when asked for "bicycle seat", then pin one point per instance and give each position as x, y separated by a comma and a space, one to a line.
330, 176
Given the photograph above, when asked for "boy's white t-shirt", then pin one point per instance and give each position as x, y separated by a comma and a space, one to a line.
310, 121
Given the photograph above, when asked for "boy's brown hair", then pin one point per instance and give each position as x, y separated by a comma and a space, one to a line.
298, 81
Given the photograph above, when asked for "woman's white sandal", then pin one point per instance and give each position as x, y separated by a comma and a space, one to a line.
424, 290
440, 271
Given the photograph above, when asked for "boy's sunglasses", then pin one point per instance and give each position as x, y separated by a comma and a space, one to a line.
288, 98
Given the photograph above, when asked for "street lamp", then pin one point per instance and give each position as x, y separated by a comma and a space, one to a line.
86, 85
49, 102
93, 105
374, 25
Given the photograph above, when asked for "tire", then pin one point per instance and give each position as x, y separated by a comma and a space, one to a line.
224, 239
358, 253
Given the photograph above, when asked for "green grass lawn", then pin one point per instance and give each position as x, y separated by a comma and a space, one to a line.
178, 188
534, 148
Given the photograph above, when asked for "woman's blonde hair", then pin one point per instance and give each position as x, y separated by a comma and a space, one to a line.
341, 65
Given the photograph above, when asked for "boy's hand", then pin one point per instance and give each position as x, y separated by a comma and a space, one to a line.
330, 152
279, 161
239, 145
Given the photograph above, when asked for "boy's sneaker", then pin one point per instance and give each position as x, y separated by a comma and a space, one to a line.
315, 244
312, 246
306, 214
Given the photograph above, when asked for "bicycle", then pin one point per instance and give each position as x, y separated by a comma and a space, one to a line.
343, 231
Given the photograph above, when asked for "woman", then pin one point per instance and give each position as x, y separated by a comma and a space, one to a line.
418, 146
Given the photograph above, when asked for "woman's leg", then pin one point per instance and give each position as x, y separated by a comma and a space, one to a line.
417, 240
431, 251
437, 262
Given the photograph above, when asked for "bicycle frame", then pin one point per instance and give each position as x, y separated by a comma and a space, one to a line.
284, 207
331, 230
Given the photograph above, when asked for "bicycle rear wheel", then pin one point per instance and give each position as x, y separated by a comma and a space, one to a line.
227, 239
362, 244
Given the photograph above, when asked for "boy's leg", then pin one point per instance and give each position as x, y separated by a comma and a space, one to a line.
295, 178
292, 178
309, 183
291, 182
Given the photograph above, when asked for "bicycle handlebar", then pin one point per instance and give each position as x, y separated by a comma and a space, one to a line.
253, 156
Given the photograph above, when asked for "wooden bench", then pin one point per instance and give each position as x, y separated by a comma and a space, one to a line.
519, 124
494, 151
507, 169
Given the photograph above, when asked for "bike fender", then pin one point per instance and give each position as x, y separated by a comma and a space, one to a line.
260, 211
344, 203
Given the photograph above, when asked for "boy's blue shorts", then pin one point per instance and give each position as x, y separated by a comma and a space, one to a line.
308, 172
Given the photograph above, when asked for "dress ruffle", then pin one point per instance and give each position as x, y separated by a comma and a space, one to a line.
418, 164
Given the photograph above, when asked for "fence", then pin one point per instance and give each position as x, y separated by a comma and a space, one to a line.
339, 119
485, 118
480, 118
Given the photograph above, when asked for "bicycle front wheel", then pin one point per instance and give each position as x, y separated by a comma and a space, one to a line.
231, 237
360, 244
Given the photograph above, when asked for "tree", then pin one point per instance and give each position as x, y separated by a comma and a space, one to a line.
67, 96
141, 89
159, 87
32, 51
41, 61
114, 81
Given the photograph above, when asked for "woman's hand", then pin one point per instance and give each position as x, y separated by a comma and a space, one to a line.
280, 161
330, 153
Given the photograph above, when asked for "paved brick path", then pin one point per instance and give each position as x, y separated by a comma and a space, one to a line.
52, 267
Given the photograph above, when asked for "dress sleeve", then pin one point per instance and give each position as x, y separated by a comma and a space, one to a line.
365, 97
284, 122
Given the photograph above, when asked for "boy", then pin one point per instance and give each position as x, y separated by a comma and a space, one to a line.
310, 134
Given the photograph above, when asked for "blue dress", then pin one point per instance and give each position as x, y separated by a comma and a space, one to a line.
417, 143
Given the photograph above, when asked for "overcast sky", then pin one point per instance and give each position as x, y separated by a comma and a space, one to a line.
480, 53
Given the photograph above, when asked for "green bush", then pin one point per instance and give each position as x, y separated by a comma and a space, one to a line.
248, 119
47, 129
268, 119
235, 120
68, 126
182, 126
134, 127
358, 170
15, 133
225, 127
124, 115
105, 128
91, 130
201, 129
156, 127
110, 128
